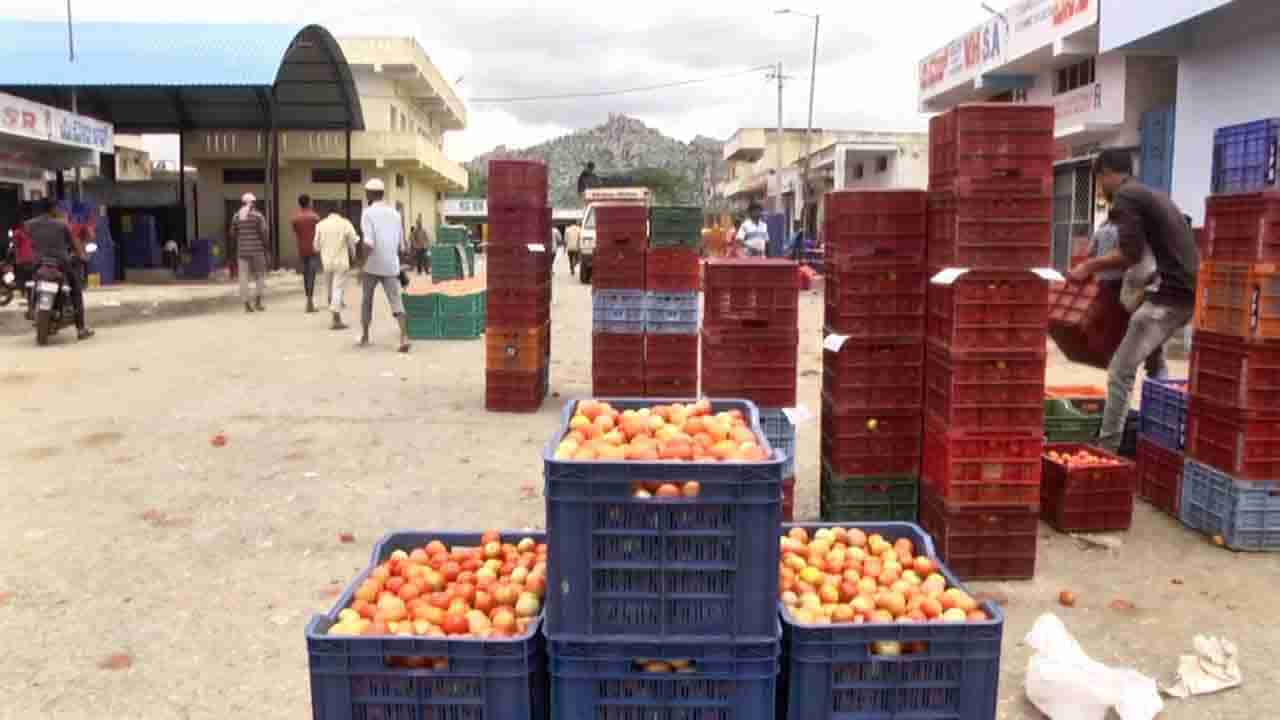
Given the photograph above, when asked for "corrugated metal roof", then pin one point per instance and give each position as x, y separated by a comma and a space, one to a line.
162, 77
35, 53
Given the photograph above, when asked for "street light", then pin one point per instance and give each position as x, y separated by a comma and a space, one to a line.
813, 77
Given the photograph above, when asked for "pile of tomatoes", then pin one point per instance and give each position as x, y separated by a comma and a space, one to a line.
678, 432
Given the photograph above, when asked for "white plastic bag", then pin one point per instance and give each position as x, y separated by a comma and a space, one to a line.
1066, 684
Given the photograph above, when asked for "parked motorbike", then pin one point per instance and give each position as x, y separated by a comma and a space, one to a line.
51, 298
8, 277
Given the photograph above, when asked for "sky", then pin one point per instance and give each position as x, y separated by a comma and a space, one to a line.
866, 72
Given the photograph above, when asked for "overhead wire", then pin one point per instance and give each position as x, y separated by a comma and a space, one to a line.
623, 91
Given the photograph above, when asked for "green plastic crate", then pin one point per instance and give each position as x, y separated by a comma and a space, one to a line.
675, 226
473, 304
447, 327
424, 306
848, 498
424, 328
1063, 423
452, 235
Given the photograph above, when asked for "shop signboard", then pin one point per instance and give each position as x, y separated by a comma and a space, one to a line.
34, 121
982, 47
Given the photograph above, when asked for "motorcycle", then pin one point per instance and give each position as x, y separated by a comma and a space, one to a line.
9, 273
51, 298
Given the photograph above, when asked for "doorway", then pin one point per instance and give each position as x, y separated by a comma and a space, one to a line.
1072, 212
10, 213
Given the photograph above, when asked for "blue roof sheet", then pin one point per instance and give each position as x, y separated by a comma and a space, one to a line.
142, 54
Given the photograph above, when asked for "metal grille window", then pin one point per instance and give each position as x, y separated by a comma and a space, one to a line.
1074, 76
334, 175
244, 176
1072, 210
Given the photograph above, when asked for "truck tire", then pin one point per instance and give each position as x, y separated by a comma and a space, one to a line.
44, 326
584, 271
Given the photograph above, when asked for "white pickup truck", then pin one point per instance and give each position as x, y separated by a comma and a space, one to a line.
596, 198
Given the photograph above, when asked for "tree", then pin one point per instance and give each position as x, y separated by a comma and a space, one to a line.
477, 184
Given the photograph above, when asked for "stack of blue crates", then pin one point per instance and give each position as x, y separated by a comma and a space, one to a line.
618, 311
1245, 157
1161, 437
662, 607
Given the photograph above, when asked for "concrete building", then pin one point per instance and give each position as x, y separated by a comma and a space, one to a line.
1048, 52
754, 158
407, 105
1226, 54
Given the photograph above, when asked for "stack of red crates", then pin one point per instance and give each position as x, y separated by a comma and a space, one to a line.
519, 287
1233, 423
618, 282
751, 335
871, 386
990, 212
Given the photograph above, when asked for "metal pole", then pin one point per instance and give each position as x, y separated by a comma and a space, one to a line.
779, 138
346, 209
182, 184
808, 135
71, 54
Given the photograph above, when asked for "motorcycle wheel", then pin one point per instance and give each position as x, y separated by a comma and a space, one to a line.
44, 326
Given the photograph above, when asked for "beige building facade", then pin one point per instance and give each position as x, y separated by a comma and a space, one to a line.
408, 107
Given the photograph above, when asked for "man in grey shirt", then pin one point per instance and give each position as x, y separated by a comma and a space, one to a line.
383, 233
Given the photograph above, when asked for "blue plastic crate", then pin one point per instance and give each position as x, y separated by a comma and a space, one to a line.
782, 436
354, 678
1246, 514
726, 680
617, 311
1244, 157
662, 568
672, 313
1164, 412
833, 674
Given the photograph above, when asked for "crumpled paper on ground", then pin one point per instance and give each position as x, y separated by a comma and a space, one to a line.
1064, 683
1214, 667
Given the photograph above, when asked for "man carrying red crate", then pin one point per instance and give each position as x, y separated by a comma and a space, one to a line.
1143, 219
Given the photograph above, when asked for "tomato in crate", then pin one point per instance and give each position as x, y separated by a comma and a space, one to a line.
870, 442
1236, 373
1084, 489
985, 391
517, 183
983, 468
982, 542
990, 311
862, 226
881, 301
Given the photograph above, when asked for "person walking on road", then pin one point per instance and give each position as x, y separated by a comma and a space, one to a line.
1144, 220
573, 246
249, 232
336, 242
753, 234
304, 232
383, 233
421, 242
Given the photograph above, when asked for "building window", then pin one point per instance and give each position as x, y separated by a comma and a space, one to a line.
857, 171
1073, 77
393, 118
882, 164
244, 176
334, 175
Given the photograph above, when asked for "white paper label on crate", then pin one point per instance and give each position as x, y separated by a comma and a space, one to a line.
948, 276
536, 247
798, 415
834, 342
1049, 274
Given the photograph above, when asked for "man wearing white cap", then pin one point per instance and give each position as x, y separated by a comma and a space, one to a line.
383, 233
249, 232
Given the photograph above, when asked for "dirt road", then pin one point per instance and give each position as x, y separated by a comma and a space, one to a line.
149, 574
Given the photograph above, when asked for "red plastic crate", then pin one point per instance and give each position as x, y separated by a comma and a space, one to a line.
986, 468
617, 355
874, 225
671, 353
1159, 475
622, 227
775, 392
870, 442
1236, 373
885, 301
991, 140
1089, 498
517, 183
759, 366
1087, 321
1242, 300
1242, 228
875, 374
515, 225
614, 386
666, 386
517, 307
1246, 445
985, 391
982, 542
990, 311
618, 269
751, 293
673, 270
508, 391
990, 230
517, 261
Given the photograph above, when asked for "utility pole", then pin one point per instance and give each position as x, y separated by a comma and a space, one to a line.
808, 135
75, 110
779, 77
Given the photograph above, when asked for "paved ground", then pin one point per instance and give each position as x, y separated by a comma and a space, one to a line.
128, 533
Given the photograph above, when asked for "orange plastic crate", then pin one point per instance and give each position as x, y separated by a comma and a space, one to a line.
1242, 300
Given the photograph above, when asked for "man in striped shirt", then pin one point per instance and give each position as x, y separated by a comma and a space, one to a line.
249, 231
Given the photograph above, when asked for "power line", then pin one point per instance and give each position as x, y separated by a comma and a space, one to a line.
607, 93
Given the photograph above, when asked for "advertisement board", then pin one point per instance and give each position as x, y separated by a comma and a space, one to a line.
32, 120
